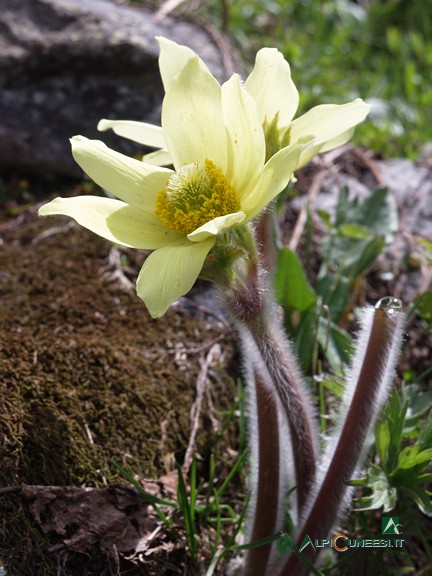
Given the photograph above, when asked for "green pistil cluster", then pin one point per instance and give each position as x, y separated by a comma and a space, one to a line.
195, 195
276, 138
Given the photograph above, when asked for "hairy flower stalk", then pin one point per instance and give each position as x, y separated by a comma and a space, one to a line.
282, 429
265, 514
281, 364
282, 435
368, 383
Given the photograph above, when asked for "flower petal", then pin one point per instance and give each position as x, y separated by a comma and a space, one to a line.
141, 132
130, 180
311, 151
329, 121
158, 158
276, 174
192, 118
172, 59
338, 141
246, 152
216, 226
113, 220
272, 88
170, 272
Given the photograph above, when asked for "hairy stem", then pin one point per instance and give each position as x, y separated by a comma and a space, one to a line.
258, 317
281, 413
295, 403
372, 371
265, 485
282, 422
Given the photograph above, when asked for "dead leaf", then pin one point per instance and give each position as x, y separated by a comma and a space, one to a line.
110, 517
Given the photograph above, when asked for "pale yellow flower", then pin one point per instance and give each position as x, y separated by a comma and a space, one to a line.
214, 137
276, 98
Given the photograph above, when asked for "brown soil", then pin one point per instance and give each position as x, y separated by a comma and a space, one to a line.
87, 377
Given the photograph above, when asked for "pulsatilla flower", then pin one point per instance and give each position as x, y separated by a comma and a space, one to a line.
223, 176
276, 98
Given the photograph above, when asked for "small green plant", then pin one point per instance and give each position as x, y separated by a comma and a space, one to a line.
403, 442
204, 498
155, 501
355, 237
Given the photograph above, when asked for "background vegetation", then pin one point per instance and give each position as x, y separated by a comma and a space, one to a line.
340, 49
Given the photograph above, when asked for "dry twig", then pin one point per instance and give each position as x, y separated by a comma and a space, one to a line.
302, 217
196, 407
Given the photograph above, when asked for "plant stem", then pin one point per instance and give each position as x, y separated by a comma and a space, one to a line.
372, 371
280, 415
279, 407
265, 506
281, 364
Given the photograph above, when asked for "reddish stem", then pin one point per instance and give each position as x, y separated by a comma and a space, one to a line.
377, 366
266, 507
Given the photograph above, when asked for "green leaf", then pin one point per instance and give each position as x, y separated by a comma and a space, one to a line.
394, 419
305, 336
418, 402
336, 344
325, 218
354, 231
427, 244
424, 478
342, 207
423, 306
188, 514
147, 497
335, 292
377, 213
360, 257
292, 287
362, 228
425, 438
382, 442
383, 494
332, 383
422, 499
413, 456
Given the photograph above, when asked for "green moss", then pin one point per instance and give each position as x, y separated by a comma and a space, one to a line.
86, 377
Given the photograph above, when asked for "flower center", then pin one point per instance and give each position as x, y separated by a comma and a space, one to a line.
193, 196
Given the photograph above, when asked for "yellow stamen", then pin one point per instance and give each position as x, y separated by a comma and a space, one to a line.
195, 195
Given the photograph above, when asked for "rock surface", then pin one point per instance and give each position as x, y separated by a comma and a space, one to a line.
408, 182
64, 64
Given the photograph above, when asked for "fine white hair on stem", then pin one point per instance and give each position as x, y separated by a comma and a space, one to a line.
252, 424
385, 372
282, 435
267, 491
294, 400
370, 377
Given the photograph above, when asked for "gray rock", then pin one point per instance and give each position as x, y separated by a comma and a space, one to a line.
64, 64
410, 184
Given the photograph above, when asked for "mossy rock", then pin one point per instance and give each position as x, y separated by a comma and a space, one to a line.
87, 377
